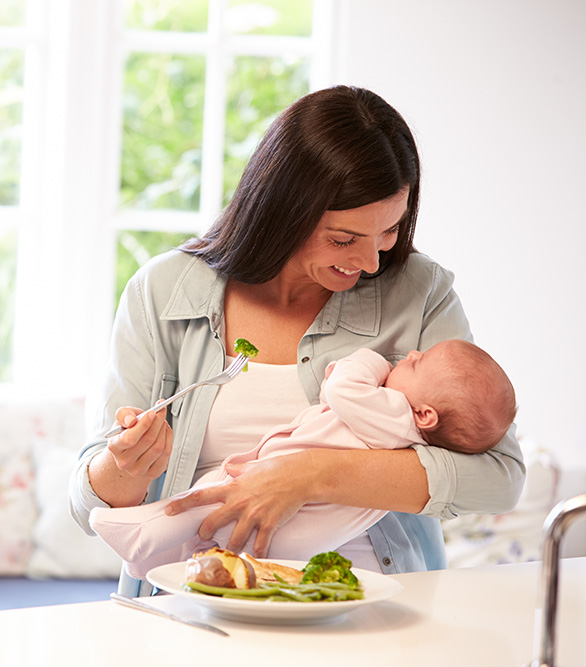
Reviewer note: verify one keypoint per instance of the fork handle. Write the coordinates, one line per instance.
(156, 408)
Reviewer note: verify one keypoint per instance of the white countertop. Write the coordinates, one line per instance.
(478, 617)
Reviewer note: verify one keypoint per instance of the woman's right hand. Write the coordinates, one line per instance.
(121, 473)
(143, 449)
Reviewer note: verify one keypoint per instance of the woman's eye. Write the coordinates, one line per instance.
(343, 244)
(392, 230)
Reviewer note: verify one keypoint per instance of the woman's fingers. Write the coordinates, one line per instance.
(143, 449)
(240, 536)
(155, 459)
(229, 511)
(208, 495)
(263, 541)
(259, 496)
(126, 416)
(245, 529)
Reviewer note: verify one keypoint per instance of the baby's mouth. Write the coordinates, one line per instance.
(346, 272)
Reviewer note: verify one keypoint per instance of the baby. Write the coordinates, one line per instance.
(454, 395)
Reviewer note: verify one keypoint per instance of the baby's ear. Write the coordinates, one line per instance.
(426, 417)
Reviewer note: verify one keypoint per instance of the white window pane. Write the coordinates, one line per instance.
(172, 15)
(270, 17)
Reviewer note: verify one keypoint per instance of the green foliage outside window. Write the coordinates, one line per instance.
(162, 131)
(8, 243)
(136, 248)
(258, 17)
(12, 12)
(172, 15)
(259, 88)
(164, 102)
(11, 93)
(291, 18)
(162, 161)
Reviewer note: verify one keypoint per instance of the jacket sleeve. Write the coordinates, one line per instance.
(488, 483)
(129, 381)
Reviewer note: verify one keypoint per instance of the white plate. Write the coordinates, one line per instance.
(376, 587)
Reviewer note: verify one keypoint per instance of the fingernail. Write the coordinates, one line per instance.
(169, 510)
(128, 420)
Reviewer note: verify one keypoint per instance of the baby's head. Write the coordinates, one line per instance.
(461, 398)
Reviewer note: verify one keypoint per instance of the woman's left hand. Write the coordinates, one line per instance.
(261, 496)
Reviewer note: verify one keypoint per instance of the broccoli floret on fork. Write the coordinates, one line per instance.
(242, 346)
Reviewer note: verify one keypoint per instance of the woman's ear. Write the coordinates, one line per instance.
(426, 417)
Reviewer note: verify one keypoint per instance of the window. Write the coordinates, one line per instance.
(12, 50)
(124, 128)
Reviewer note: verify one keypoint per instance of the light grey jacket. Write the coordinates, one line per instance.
(167, 335)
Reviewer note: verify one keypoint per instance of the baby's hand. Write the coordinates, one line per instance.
(329, 369)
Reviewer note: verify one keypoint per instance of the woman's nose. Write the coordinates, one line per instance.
(368, 259)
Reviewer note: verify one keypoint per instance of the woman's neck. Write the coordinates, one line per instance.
(283, 294)
(273, 316)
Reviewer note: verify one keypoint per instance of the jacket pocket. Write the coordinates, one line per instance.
(170, 386)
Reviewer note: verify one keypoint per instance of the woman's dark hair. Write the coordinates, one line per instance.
(332, 150)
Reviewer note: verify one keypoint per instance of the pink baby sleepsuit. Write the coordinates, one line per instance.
(355, 411)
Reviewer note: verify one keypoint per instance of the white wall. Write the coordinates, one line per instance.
(495, 91)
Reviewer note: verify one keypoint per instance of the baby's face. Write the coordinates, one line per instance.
(418, 375)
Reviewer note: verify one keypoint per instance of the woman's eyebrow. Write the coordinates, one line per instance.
(353, 233)
(345, 231)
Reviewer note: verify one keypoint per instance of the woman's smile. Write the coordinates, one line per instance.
(347, 243)
(346, 272)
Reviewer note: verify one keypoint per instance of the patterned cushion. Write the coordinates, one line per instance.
(39, 441)
(61, 548)
(21, 420)
(515, 537)
(18, 512)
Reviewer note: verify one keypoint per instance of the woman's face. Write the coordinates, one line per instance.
(345, 243)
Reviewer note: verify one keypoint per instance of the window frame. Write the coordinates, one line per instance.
(68, 217)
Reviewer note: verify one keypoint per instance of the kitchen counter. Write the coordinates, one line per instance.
(477, 617)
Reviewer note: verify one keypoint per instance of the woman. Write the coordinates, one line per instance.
(312, 259)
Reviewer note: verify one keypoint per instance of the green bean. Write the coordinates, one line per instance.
(294, 595)
(241, 592)
(322, 592)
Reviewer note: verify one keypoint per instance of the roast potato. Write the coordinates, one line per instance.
(222, 568)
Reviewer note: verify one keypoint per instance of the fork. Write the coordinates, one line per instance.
(229, 374)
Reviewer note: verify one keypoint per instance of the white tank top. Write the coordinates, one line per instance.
(246, 408)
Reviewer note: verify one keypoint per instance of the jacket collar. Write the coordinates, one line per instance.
(199, 292)
(357, 310)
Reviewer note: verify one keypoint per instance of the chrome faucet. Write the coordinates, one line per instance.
(557, 522)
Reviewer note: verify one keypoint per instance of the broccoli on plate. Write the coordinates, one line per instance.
(329, 567)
